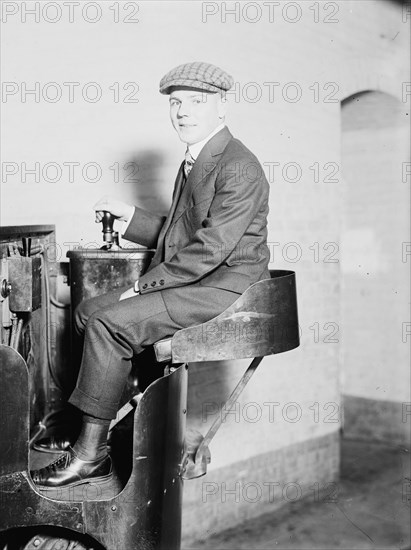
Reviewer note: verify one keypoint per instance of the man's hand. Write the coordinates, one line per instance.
(130, 293)
(121, 210)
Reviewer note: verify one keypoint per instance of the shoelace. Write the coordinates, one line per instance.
(63, 458)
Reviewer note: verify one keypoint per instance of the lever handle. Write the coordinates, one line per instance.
(107, 221)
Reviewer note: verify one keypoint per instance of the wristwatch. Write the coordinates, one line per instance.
(136, 288)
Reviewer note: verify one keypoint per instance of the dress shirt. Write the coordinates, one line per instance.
(195, 148)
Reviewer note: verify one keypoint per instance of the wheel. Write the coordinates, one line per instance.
(47, 538)
(44, 542)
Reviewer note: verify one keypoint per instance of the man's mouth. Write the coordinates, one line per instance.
(187, 125)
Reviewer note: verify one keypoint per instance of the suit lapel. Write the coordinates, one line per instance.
(160, 241)
(203, 166)
(176, 196)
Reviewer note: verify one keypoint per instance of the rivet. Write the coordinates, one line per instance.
(29, 510)
(184, 411)
(36, 542)
(149, 503)
(79, 525)
(165, 491)
(174, 480)
(114, 508)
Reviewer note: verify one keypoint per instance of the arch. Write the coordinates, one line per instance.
(375, 291)
(368, 74)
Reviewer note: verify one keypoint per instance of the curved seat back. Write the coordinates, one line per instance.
(262, 321)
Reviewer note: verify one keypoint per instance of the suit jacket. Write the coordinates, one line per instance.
(215, 234)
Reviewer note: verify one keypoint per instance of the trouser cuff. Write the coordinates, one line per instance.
(93, 407)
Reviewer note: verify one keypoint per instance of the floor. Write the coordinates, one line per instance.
(372, 510)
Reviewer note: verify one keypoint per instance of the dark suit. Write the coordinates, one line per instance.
(210, 248)
(215, 234)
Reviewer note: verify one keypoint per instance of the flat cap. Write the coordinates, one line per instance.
(202, 76)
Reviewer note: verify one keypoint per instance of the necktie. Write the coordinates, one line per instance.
(188, 163)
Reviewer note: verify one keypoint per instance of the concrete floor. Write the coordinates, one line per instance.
(372, 510)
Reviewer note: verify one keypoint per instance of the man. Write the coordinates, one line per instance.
(209, 249)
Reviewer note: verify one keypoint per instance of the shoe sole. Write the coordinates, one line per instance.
(103, 479)
(46, 450)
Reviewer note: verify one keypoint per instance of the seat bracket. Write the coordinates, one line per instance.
(195, 464)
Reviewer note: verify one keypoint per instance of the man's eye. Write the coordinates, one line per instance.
(197, 100)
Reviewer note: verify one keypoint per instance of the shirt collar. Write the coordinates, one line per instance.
(195, 148)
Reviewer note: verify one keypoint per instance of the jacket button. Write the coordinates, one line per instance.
(161, 281)
(145, 285)
(153, 283)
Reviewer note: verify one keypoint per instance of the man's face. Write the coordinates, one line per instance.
(195, 114)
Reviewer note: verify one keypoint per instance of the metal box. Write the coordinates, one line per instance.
(25, 281)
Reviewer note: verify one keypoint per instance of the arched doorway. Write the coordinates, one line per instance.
(375, 266)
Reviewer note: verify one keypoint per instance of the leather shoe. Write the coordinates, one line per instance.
(69, 471)
(52, 444)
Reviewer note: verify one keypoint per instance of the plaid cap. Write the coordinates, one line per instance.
(203, 76)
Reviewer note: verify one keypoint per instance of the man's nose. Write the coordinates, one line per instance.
(183, 110)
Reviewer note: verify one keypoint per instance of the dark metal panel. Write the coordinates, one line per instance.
(14, 406)
(147, 513)
(95, 272)
(263, 321)
(21, 506)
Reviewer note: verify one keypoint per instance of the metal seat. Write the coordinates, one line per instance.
(262, 321)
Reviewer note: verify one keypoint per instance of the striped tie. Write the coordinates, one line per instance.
(188, 163)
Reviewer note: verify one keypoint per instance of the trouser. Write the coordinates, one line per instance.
(113, 332)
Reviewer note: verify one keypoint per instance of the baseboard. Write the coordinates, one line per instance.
(376, 420)
(248, 488)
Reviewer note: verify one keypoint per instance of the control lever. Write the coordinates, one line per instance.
(110, 237)
(108, 221)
